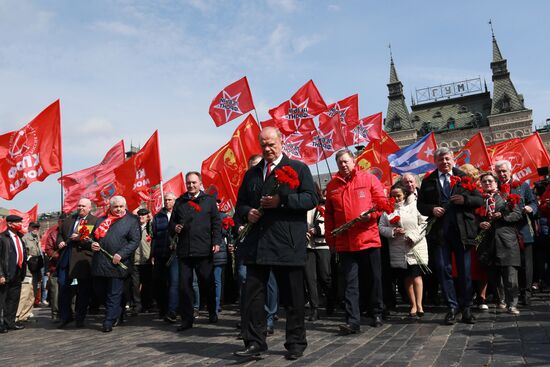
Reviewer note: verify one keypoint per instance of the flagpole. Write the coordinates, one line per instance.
(62, 198)
(318, 174)
(257, 118)
(323, 149)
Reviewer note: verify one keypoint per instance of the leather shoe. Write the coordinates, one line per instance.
(292, 356)
(467, 316)
(269, 330)
(107, 328)
(450, 318)
(64, 323)
(79, 324)
(252, 350)
(313, 315)
(213, 319)
(185, 326)
(348, 329)
(3, 330)
(376, 321)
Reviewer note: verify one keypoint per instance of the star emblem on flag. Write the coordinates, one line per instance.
(229, 104)
(292, 147)
(361, 133)
(324, 144)
(297, 112)
(337, 110)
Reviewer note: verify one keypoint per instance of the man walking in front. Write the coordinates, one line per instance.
(276, 242)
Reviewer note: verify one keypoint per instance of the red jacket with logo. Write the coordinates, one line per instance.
(346, 200)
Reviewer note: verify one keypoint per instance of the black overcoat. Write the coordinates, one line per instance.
(123, 238)
(80, 262)
(279, 238)
(429, 197)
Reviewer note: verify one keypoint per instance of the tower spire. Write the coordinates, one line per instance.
(497, 55)
(397, 117)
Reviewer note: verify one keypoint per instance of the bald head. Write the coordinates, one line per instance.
(84, 207)
(271, 142)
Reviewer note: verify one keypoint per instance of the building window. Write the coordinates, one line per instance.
(451, 123)
(395, 124)
(437, 114)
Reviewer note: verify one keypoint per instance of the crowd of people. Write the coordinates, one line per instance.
(471, 238)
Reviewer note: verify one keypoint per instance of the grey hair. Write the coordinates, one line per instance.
(439, 152)
(277, 131)
(117, 199)
(415, 177)
(504, 162)
(169, 193)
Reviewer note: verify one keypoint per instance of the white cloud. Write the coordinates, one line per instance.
(284, 5)
(116, 28)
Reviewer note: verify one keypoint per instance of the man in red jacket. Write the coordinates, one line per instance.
(349, 195)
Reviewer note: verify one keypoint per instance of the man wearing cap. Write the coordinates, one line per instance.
(12, 272)
(142, 270)
(74, 265)
(35, 262)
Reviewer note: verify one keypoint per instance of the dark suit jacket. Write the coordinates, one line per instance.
(8, 259)
(80, 262)
(431, 195)
(279, 238)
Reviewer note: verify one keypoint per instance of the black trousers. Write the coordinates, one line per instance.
(290, 280)
(142, 287)
(9, 300)
(204, 268)
(525, 274)
(369, 262)
(318, 273)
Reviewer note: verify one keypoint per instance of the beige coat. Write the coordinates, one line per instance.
(401, 252)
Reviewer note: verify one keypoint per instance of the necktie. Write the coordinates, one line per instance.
(491, 204)
(19, 252)
(268, 171)
(446, 184)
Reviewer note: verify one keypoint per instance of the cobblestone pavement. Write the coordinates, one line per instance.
(497, 339)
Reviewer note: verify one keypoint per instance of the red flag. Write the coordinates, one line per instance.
(525, 155)
(295, 146)
(175, 185)
(31, 153)
(325, 141)
(87, 183)
(137, 175)
(347, 109)
(375, 158)
(226, 167)
(297, 113)
(28, 217)
(474, 152)
(365, 130)
(232, 102)
(268, 123)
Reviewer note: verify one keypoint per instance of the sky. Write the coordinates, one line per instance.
(124, 68)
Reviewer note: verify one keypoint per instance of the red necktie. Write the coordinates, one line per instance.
(19, 252)
(269, 165)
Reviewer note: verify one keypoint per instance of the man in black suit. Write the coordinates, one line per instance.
(196, 223)
(13, 267)
(454, 231)
(276, 242)
(74, 265)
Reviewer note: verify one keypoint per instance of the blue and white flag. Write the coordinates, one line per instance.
(417, 158)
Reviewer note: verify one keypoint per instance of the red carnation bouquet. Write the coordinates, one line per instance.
(381, 204)
(395, 220)
(284, 176)
(84, 230)
(227, 223)
(511, 200)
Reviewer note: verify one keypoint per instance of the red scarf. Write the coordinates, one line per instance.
(102, 229)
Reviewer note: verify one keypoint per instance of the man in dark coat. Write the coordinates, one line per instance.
(276, 241)
(118, 235)
(165, 275)
(74, 265)
(197, 224)
(453, 232)
(525, 226)
(13, 267)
